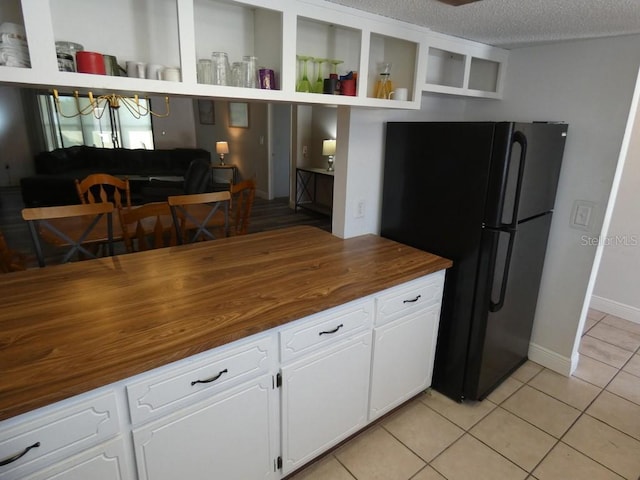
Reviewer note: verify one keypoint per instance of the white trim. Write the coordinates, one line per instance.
(618, 309)
(552, 360)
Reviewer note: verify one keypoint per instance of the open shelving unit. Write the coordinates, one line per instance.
(464, 68)
(177, 33)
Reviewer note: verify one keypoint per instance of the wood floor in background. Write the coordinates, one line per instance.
(265, 215)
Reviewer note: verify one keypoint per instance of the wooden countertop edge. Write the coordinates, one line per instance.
(50, 385)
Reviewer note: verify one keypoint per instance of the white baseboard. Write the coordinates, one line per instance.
(618, 309)
(552, 360)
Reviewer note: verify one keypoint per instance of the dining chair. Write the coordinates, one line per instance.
(102, 187)
(147, 227)
(72, 226)
(203, 213)
(10, 260)
(242, 196)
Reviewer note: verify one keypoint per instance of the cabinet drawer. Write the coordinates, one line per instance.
(56, 434)
(175, 386)
(409, 297)
(106, 461)
(326, 327)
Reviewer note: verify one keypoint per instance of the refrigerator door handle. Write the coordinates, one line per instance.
(521, 139)
(496, 306)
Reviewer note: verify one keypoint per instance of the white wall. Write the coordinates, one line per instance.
(178, 130)
(588, 84)
(616, 290)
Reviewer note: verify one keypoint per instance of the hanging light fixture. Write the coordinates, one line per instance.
(98, 104)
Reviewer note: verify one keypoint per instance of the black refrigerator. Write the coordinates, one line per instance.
(482, 195)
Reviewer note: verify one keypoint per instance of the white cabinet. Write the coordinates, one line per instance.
(40, 440)
(105, 462)
(324, 399)
(462, 67)
(228, 413)
(404, 343)
(216, 415)
(231, 436)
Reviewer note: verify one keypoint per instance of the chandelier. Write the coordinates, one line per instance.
(97, 105)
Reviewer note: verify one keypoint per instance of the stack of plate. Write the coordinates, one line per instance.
(14, 51)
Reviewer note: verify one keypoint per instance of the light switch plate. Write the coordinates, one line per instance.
(582, 214)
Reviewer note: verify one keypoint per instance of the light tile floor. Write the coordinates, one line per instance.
(536, 425)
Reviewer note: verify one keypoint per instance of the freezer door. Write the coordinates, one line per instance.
(525, 167)
(511, 268)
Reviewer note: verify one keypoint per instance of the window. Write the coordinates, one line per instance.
(115, 128)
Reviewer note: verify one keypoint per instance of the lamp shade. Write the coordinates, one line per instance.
(328, 147)
(222, 148)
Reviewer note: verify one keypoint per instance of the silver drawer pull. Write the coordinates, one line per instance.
(412, 301)
(18, 456)
(209, 380)
(329, 332)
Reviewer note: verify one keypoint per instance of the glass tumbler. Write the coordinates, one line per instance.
(251, 77)
(237, 74)
(221, 72)
(205, 71)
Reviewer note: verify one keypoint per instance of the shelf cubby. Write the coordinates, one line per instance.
(239, 29)
(402, 54)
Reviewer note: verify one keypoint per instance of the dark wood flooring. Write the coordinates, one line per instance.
(265, 215)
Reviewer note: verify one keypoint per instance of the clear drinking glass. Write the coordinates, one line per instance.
(205, 71)
(237, 73)
(251, 74)
(221, 72)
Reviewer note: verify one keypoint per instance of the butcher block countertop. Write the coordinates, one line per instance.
(68, 329)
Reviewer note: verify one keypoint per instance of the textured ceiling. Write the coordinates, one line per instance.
(514, 23)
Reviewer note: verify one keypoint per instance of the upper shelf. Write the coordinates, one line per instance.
(180, 33)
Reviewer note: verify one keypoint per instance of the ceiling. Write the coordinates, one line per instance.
(514, 23)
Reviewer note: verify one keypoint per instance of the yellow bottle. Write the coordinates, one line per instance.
(384, 86)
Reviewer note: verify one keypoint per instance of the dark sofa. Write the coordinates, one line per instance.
(56, 171)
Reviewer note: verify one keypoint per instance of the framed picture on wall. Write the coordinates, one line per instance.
(239, 114)
(207, 112)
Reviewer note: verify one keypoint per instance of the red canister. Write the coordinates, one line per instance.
(90, 62)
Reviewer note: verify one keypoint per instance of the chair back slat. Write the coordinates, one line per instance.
(243, 195)
(147, 227)
(196, 217)
(41, 222)
(102, 187)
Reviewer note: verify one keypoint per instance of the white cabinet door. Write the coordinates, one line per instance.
(230, 436)
(324, 399)
(403, 353)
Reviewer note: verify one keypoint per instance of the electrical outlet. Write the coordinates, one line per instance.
(304, 150)
(360, 209)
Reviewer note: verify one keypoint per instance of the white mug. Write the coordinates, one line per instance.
(171, 74)
(154, 71)
(399, 94)
(136, 69)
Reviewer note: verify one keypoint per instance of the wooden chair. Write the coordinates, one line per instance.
(102, 187)
(10, 260)
(70, 226)
(203, 212)
(147, 227)
(242, 195)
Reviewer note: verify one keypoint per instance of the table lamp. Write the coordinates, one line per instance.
(329, 150)
(221, 149)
